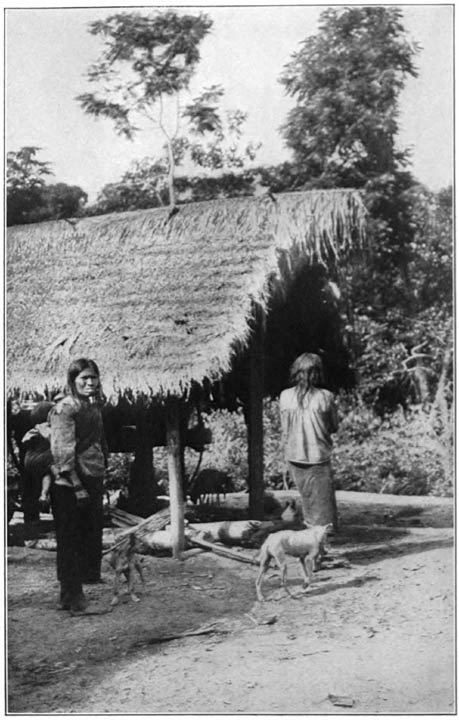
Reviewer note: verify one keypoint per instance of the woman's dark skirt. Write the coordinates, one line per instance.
(315, 485)
(78, 536)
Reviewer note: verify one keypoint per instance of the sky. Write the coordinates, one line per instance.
(48, 52)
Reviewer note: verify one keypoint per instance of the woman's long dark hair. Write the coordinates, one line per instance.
(306, 373)
(75, 368)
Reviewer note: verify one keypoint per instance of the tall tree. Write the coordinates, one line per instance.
(146, 61)
(213, 144)
(145, 70)
(25, 178)
(346, 81)
(30, 199)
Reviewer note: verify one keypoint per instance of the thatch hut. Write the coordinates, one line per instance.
(165, 301)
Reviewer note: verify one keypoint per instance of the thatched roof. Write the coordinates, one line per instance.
(158, 303)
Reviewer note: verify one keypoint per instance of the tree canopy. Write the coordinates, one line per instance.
(25, 177)
(144, 70)
(144, 59)
(346, 81)
(29, 198)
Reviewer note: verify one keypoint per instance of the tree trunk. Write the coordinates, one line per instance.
(175, 469)
(171, 173)
(255, 417)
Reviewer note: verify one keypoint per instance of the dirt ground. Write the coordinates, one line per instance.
(374, 634)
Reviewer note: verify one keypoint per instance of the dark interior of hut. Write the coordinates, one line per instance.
(303, 315)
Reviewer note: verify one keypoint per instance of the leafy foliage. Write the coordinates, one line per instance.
(396, 294)
(62, 201)
(218, 147)
(24, 171)
(25, 177)
(346, 80)
(144, 185)
(30, 199)
(396, 455)
(146, 61)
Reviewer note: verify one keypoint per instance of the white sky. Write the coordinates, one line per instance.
(48, 52)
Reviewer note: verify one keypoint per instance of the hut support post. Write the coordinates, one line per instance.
(255, 417)
(175, 471)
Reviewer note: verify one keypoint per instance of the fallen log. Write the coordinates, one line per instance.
(152, 535)
(157, 541)
(232, 532)
(220, 550)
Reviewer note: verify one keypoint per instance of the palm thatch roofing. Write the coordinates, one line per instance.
(159, 302)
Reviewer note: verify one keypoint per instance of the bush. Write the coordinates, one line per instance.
(228, 451)
(118, 470)
(397, 454)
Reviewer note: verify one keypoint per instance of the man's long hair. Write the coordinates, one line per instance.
(306, 373)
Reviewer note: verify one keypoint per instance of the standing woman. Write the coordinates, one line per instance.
(308, 419)
(80, 456)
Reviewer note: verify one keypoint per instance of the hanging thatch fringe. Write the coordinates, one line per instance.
(159, 303)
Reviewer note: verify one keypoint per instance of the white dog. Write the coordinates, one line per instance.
(307, 545)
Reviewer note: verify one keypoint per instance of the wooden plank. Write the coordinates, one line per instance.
(255, 416)
(174, 466)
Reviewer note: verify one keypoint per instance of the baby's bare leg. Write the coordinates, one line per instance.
(45, 488)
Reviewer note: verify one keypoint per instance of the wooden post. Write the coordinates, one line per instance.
(174, 466)
(255, 417)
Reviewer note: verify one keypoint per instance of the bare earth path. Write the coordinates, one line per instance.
(380, 633)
